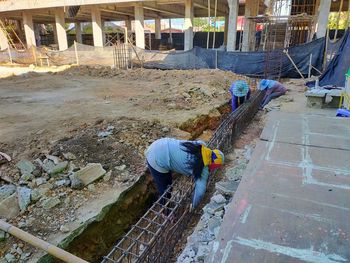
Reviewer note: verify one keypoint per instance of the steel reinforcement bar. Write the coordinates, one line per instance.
(154, 236)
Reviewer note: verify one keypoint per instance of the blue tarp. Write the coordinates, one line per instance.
(245, 63)
(253, 63)
(339, 65)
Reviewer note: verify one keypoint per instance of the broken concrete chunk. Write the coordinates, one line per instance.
(39, 181)
(64, 229)
(36, 195)
(219, 199)
(107, 176)
(213, 207)
(53, 158)
(203, 252)
(58, 168)
(213, 223)
(24, 194)
(69, 156)
(6, 190)
(9, 207)
(90, 173)
(103, 134)
(75, 182)
(63, 182)
(25, 166)
(10, 258)
(51, 202)
(26, 177)
(227, 188)
(120, 167)
(47, 165)
(2, 236)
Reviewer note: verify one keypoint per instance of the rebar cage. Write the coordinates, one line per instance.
(154, 236)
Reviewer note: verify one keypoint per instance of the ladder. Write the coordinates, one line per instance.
(6, 28)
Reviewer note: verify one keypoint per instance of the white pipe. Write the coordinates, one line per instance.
(39, 243)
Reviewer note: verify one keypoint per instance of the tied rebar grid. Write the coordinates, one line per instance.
(154, 236)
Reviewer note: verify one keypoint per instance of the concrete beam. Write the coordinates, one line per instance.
(139, 30)
(322, 20)
(158, 34)
(188, 26)
(78, 35)
(251, 9)
(60, 29)
(173, 11)
(29, 28)
(97, 26)
(232, 25)
(221, 8)
(13, 5)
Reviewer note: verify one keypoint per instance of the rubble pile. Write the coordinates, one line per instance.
(208, 227)
(42, 194)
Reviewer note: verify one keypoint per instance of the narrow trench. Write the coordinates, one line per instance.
(244, 143)
(100, 236)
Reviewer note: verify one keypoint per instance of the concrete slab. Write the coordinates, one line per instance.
(293, 202)
(311, 130)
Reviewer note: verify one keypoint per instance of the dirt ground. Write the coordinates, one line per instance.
(52, 114)
(55, 113)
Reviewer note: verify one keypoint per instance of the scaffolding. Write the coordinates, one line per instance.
(287, 23)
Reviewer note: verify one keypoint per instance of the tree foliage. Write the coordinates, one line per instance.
(343, 20)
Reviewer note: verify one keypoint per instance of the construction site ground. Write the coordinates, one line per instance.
(95, 115)
(100, 115)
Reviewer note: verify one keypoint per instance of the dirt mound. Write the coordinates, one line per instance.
(124, 144)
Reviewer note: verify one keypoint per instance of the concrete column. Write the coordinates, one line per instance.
(97, 26)
(232, 25)
(19, 26)
(60, 29)
(322, 20)
(4, 44)
(188, 25)
(158, 34)
(139, 30)
(54, 30)
(37, 28)
(29, 28)
(103, 33)
(128, 25)
(170, 40)
(226, 30)
(78, 35)
(251, 9)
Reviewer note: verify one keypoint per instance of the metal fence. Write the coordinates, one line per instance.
(154, 236)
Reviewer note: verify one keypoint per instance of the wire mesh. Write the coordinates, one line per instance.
(154, 236)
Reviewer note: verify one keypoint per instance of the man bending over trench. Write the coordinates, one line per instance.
(273, 88)
(189, 158)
